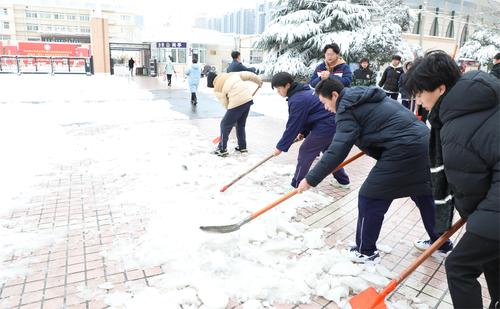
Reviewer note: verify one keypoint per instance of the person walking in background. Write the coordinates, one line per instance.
(231, 91)
(307, 118)
(405, 95)
(131, 63)
(236, 65)
(495, 71)
(390, 77)
(465, 165)
(363, 76)
(333, 67)
(387, 132)
(169, 70)
(194, 75)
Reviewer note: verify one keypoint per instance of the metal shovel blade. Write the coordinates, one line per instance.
(225, 228)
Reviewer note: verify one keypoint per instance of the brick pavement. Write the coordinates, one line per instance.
(74, 200)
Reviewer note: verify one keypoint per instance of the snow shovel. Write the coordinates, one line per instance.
(234, 227)
(218, 138)
(370, 299)
(248, 172)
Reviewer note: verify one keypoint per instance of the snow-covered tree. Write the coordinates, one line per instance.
(362, 28)
(482, 46)
(301, 28)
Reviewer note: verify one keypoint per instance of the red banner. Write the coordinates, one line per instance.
(52, 49)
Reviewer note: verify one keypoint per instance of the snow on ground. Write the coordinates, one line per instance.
(168, 179)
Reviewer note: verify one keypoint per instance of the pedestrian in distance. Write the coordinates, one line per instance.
(406, 99)
(169, 70)
(231, 90)
(387, 132)
(236, 65)
(465, 166)
(363, 76)
(131, 63)
(307, 118)
(332, 67)
(193, 74)
(390, 78)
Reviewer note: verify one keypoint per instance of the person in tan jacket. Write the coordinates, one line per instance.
(231, 90)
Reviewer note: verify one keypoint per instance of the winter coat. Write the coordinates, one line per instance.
(231, 90)
(341, 71)
(363, 77)
(237, 66)
(194, 76)
(471, 150)
(385, 131)
(306, 114)
(131, 64)
(495, 71)
(405, 94)
(169, 68)
(390, 79)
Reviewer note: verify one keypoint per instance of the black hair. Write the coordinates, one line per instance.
(396, 57)
(195, 60)
(333, 46)
(436, 68)
(364, 60)
(281, 79)
(235, 54)
(327, 86)
(497, 56)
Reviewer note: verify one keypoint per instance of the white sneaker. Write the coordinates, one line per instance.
(336, 184)
(422, 245)
(355, 256)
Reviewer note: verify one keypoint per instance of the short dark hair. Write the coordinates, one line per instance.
(195, 60)
(497, 56)
(364, 60)
(434, 69)
(333, 46)
(396, 57)
(281, 79)
(327, 86)
(235, 54)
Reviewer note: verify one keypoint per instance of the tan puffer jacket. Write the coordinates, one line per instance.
(230, 88)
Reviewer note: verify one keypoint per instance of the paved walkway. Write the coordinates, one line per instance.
(74, 200)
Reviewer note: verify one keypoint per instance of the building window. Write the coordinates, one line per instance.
(125, 17)
(85, 29)
(256, 56)
(84, 17)
(58, 16)
(31, 14)
(4, 12)
(6, 25)
(4, 37)
(71, 17)
(32, 27)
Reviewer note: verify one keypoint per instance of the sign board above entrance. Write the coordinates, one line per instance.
(171, 44)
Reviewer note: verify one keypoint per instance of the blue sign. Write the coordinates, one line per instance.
(171, 44)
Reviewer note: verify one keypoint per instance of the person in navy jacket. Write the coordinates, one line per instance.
(333, 67)
(236, 65)
(307, 118)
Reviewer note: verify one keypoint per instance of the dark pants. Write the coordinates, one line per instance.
(169, 79)
(194, 99)
(311, 147)
(472, 256)
(409, 104)
(235, 116)
(371, 215)
(392, 95)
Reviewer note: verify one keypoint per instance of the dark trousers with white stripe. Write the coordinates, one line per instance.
(235, 117)
(371, 214)
(311, 147)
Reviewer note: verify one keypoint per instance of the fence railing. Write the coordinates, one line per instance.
(46, 65)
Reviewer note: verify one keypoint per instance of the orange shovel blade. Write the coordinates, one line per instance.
(216, 140)
(368, 299)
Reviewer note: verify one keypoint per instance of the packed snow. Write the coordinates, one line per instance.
(170, 181)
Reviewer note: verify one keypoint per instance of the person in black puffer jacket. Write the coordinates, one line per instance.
(465, 167)
(390, 78)
(394, 137)
(363, 76)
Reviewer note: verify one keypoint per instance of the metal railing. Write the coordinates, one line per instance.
(46, 65)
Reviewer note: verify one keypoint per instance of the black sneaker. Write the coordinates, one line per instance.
(242, 150)
(422, 245)
(220, 152)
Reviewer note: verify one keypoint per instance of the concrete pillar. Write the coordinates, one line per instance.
(99, 40)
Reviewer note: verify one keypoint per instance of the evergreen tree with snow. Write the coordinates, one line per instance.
(483, 45)
(362, 28)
